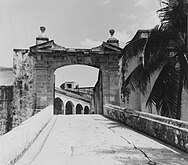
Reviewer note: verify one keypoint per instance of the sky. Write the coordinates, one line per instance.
(72, 24)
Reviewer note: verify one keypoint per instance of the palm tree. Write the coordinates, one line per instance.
(165, 52)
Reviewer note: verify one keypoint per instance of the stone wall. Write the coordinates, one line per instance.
(131, 58)
(50, 56)
(170, 131)
(85, 91)
(23, 88)
(184, 106)
(113, 80)
(16, 142)
(98, 95)
(132, 99)
(6, 97)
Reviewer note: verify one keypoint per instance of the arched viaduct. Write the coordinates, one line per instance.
(66, 102)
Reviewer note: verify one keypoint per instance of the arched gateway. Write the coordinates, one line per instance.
(34, 73)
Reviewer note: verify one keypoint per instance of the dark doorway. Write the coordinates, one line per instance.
(69, 108)
(79, 109)
(86, 110)
(58, 106)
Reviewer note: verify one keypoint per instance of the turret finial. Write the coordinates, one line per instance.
(111, 31)
(42, 29)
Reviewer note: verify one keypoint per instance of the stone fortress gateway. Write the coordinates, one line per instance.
(34, 73)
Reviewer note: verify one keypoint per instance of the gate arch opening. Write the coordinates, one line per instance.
(82, 80)
(69, 108)
(86, 110)
(79, 109)
(84, 75)
(58, 106)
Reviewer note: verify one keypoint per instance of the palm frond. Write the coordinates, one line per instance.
(173, 17)
(165, 50)
(137, 80)
(157, 62)
(165, 89)
(158, 43)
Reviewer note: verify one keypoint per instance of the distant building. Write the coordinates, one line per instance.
(69, 85)
(6, 98)
(74, 87)
(6, 76)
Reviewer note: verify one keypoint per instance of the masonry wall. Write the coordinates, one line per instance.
(47, 63)
(6, 98)
(131, 99)
(85, 91)
(41, 87)
(23, 88)
(170, 131)
(113, 78)
(16, 142)
(184, 115)
(98, 95)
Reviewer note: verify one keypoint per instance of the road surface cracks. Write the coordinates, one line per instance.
(150, 162)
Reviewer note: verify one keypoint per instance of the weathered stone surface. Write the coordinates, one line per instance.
(184, 105)
(24, 86)
(17, 141)
(38, 65)
(6, 98)
(98, 95)
(170, 131)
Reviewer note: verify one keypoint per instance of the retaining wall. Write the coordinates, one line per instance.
(171, 131)
(14, 143)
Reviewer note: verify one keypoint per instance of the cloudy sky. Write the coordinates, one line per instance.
(72, 23)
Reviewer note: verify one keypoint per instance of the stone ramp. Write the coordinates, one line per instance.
(96, 140)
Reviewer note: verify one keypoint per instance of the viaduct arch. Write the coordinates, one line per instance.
(58, 106)
(34, 73)
(66, 102)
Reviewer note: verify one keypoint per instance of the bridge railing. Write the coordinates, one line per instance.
(14, 143)
(71, 94)
(171, 131)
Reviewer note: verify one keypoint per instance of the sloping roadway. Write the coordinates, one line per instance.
(96, 140)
